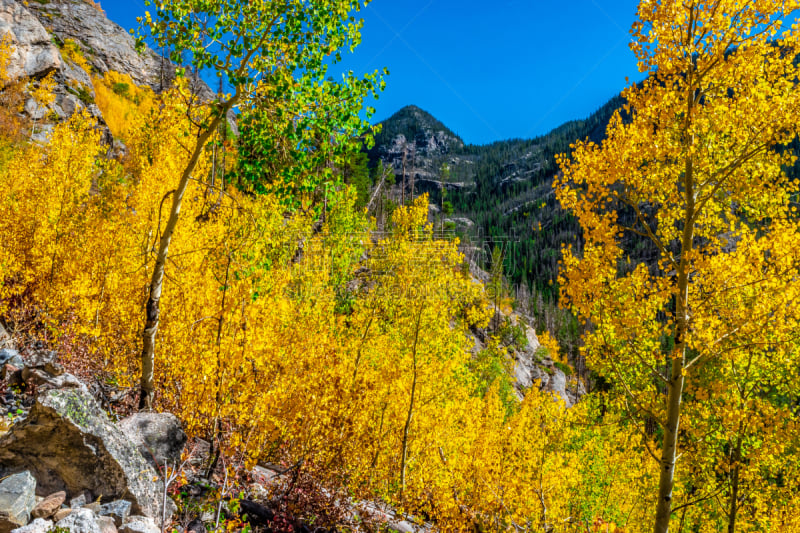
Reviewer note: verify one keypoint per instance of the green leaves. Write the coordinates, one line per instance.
(297, 125)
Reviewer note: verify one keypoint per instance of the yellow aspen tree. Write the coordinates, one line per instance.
(267, 53)
(692, 167)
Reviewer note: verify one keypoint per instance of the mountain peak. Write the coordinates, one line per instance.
(411, 120)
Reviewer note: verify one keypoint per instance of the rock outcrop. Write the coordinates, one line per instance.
(69, 444)
(413, 139)
(106, 45)
(34, 53)
(37, 30)
(533, 369)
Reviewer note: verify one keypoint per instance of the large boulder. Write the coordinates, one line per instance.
(69, 444)
(158, 436)
(34, 53)
(17, 500)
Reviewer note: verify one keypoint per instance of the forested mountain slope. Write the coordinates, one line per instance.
(504, 188)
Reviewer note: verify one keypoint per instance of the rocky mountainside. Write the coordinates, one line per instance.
(413, 142)
(40, 31)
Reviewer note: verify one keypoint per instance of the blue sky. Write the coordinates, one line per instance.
(490, 70)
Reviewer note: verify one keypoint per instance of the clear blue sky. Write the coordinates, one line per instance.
(490, 70)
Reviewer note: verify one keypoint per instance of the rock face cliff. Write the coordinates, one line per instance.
(106, 45)
(38, 31)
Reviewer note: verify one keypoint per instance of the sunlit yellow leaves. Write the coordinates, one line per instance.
(121, 101)
(692, 170)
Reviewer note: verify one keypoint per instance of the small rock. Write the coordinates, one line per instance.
(139, 524)
(401, 527)
(17, 500)
(46, 360)
(119, 510)
(61, 514)
(9, 356)
(41, 378)
(39, 525)
(48, 507)
(196, 526)
(80, 500)
(106, 524)
(80, 521)
(93, 507)
(158, 436)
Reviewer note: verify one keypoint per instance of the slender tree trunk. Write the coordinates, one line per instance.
(407, 426)
(669, 448)
(677, 378)
(734, 507)
(152, 311)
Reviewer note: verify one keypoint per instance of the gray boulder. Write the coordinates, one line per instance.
(17, 500)
(69, 444)
(158, 436)
(34, 54)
